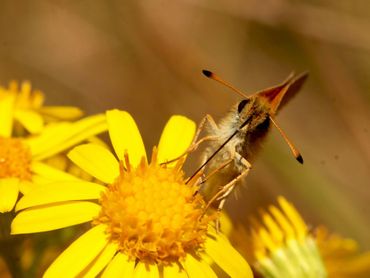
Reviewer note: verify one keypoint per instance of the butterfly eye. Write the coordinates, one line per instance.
(242, 104)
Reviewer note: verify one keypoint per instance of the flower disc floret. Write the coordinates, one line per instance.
(153, 215)
(15, 159)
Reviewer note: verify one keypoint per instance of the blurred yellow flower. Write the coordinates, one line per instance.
(284, 247)
(341, 256)
(28, 109)
(147, 221)
(20, 157)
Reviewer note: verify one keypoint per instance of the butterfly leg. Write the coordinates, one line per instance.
(228, 188)
(225, 191)
(223, 165)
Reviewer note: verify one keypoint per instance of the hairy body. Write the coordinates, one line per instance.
(235, 141)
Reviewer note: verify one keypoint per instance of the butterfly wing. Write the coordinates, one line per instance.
(279, 95)
(294, 87)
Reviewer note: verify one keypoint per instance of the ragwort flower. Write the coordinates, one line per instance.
(29, 110)
(147, 221)
(20, 157)
(284, 247)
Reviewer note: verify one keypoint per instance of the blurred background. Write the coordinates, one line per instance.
(146, 57)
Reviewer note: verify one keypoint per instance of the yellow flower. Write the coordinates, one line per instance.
(341, 256)
(147, 221)
(284, 247)
(28, 109)
(62, 162)
(20, 158)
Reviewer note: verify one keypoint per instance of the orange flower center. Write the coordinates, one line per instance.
(15, 159)
(153, 215)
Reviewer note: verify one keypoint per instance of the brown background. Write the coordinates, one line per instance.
(146, 57)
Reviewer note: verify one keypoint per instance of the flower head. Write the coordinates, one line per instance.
(28, 109)
(284, 247)
(147, 220)
(15, 159)
(135, 209)
(21, 157)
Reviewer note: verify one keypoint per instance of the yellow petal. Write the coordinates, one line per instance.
(295, 218)
(52, 135)
(9, 190)
(226, 224)
(176, 138)
(6, 114)
(26, 186)
(59, 161)
(97, 141)
(97, 161)
(173, 271)
(79, 254)
(283, 222)
(31, 120)
(62, 136)
(51, 173)
(267, 240)
(73, 139)
(146, 271)
(274, 229)
(24, 93)
(47, 218)
(38, 99)
(206, 268)
(62, 112)
(125, 136)
(119, 266)
(60, 192)
(195, 268)
(102, 260)
(223, 254)
(39, 180)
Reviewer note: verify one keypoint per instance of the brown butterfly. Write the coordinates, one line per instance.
(234, 142)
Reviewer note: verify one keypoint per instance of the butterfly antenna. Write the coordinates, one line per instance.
(213, 76)
(219, 149)
(294, 150)
(212, 156)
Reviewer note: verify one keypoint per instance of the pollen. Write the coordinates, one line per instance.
(15, 159)
(153, 215)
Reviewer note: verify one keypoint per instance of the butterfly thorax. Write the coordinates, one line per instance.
(248, 138)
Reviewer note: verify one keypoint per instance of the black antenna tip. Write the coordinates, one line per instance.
(300, 158)
(207, 73)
